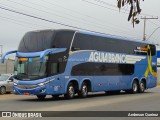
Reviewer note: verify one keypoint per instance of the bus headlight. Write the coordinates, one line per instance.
(15, 84)
(41, 84)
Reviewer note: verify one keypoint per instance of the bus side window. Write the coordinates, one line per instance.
(54, 68)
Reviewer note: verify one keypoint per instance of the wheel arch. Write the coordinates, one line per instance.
(75, 83)
(135, 79)
(145, 81)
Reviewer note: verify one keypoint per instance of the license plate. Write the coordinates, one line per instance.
(26, 93)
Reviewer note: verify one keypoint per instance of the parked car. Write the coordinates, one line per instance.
(6, 83)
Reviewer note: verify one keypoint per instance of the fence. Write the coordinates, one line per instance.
(7, 67)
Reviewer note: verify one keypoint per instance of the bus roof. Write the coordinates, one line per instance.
(99, 34)
(59, 38)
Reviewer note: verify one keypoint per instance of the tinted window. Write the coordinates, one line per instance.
(41, 40)
(36, 41)
(92, 42)
(63, 39)
(56, 63)
(91, 69)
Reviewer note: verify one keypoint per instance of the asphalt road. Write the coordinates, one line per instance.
(148, 101)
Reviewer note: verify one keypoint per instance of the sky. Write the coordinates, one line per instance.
(95, 15)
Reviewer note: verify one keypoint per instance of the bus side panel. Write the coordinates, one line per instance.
(109, 83)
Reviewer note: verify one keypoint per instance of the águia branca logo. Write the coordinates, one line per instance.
(107, 57)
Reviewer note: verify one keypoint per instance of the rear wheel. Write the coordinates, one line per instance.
(70, 91)
(134, 87)
(142, 87)
(84, 90)
(41, 97)
(2, 90)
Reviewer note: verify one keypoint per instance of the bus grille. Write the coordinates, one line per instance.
(26, 86)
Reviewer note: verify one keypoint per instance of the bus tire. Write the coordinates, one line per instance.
(70, 91)
(134, 87)
(41, 97)
(142, 87)
(84, 90)
(2, 90)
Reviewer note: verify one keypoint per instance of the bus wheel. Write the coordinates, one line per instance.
(84, 91)
(142, 87)
(134, 87)
(41, 97)
(2, 90)
(70, 91)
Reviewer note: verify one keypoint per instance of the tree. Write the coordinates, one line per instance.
(134, 9)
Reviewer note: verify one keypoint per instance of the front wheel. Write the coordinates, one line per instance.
(70, 91)
(84, 91)
(41, 97)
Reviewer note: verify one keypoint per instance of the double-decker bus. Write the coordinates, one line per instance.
(69, 62)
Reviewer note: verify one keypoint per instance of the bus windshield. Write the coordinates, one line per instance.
(30, 68)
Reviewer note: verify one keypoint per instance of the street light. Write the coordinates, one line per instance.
(153, 32)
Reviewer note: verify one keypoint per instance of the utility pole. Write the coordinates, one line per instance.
(144, 30)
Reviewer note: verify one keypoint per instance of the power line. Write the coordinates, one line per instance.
(111, 5)
(20, 21)
(86, 15)
(144, 31)
(106, 3)
(47, 20)
(12, 21)
(7, 6)
(86, 21)
(122, 31)
(79, 20)
(50, 21)
(158, 20)
(153, 23)
(98, 5)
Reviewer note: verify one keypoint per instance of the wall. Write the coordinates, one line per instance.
(7, 67)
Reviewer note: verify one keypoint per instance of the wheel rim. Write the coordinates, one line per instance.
(84, 90)
(135, 87)
(142, 86)
(3, 90)
(71, 91)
